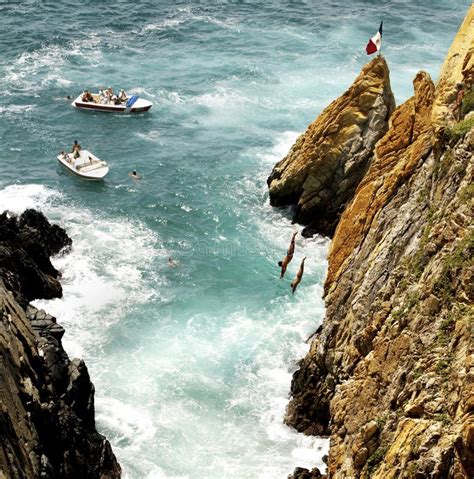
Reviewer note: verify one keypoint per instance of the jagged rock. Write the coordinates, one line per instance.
(47, 426)
(325, 165)
(390, 377)
(303, 473)
(43, 323)
(26, 244)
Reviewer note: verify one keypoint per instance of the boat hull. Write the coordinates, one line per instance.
(95, 170)
(139, 106)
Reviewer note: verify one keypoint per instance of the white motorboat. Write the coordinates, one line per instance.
(133, 104)
(86, 165)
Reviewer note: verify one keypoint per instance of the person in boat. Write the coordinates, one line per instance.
(289, 256)
(87, 97)
(65, 156)
(102, 97)
(135, 175)
(122, 96)
(76, 149)
(299, 275)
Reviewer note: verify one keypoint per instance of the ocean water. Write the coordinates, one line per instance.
(192, 364)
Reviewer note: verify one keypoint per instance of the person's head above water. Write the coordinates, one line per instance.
(75, 142)
(134, 172)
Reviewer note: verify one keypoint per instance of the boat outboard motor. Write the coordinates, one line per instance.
(131, 101)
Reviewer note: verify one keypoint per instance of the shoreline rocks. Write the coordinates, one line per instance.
(47, 425)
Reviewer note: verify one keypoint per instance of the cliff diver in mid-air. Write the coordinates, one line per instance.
(299, 275)
(289, 256)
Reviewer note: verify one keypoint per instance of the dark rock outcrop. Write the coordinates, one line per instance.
(323, 168)
(26, 244)
(47, 427)
(303, 473)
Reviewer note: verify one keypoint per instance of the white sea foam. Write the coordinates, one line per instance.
(17, 198)
(45, 66)
(102, 275)
(166, 24)
(223, 96)
(280, 149)
(153, 136)
(186, 15)
(141, 91)
(16, 109)
(132, 424)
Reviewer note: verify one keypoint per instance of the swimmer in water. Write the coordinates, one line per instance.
(135, 175)
(289, 256)
(299, 275)
(172, 263)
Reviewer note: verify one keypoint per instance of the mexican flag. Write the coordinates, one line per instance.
(375, 43)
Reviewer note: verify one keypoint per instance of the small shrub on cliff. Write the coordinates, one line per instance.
(376, 458)
(442, 367)
(468, 103)
(459, 130)
(467, 193)
(460, 257)
(420, 259)
(443, 418)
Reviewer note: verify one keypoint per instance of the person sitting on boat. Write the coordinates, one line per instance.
(122, 96)
(76, 149)
(86, 96)
(65, 156)
(102, 96)
(110, 95)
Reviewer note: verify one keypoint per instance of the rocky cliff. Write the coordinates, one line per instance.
(47, 427)
(390, 375)
(325, 165)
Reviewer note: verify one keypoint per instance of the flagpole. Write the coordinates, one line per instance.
(380, 30)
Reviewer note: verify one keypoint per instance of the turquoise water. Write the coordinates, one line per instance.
(191, 364)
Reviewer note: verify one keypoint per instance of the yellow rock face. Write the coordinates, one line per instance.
(458, 67)
(408, 141)
(324, 166)
(411, 135)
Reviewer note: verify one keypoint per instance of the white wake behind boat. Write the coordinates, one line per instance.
(87, 165)
(134, 104)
